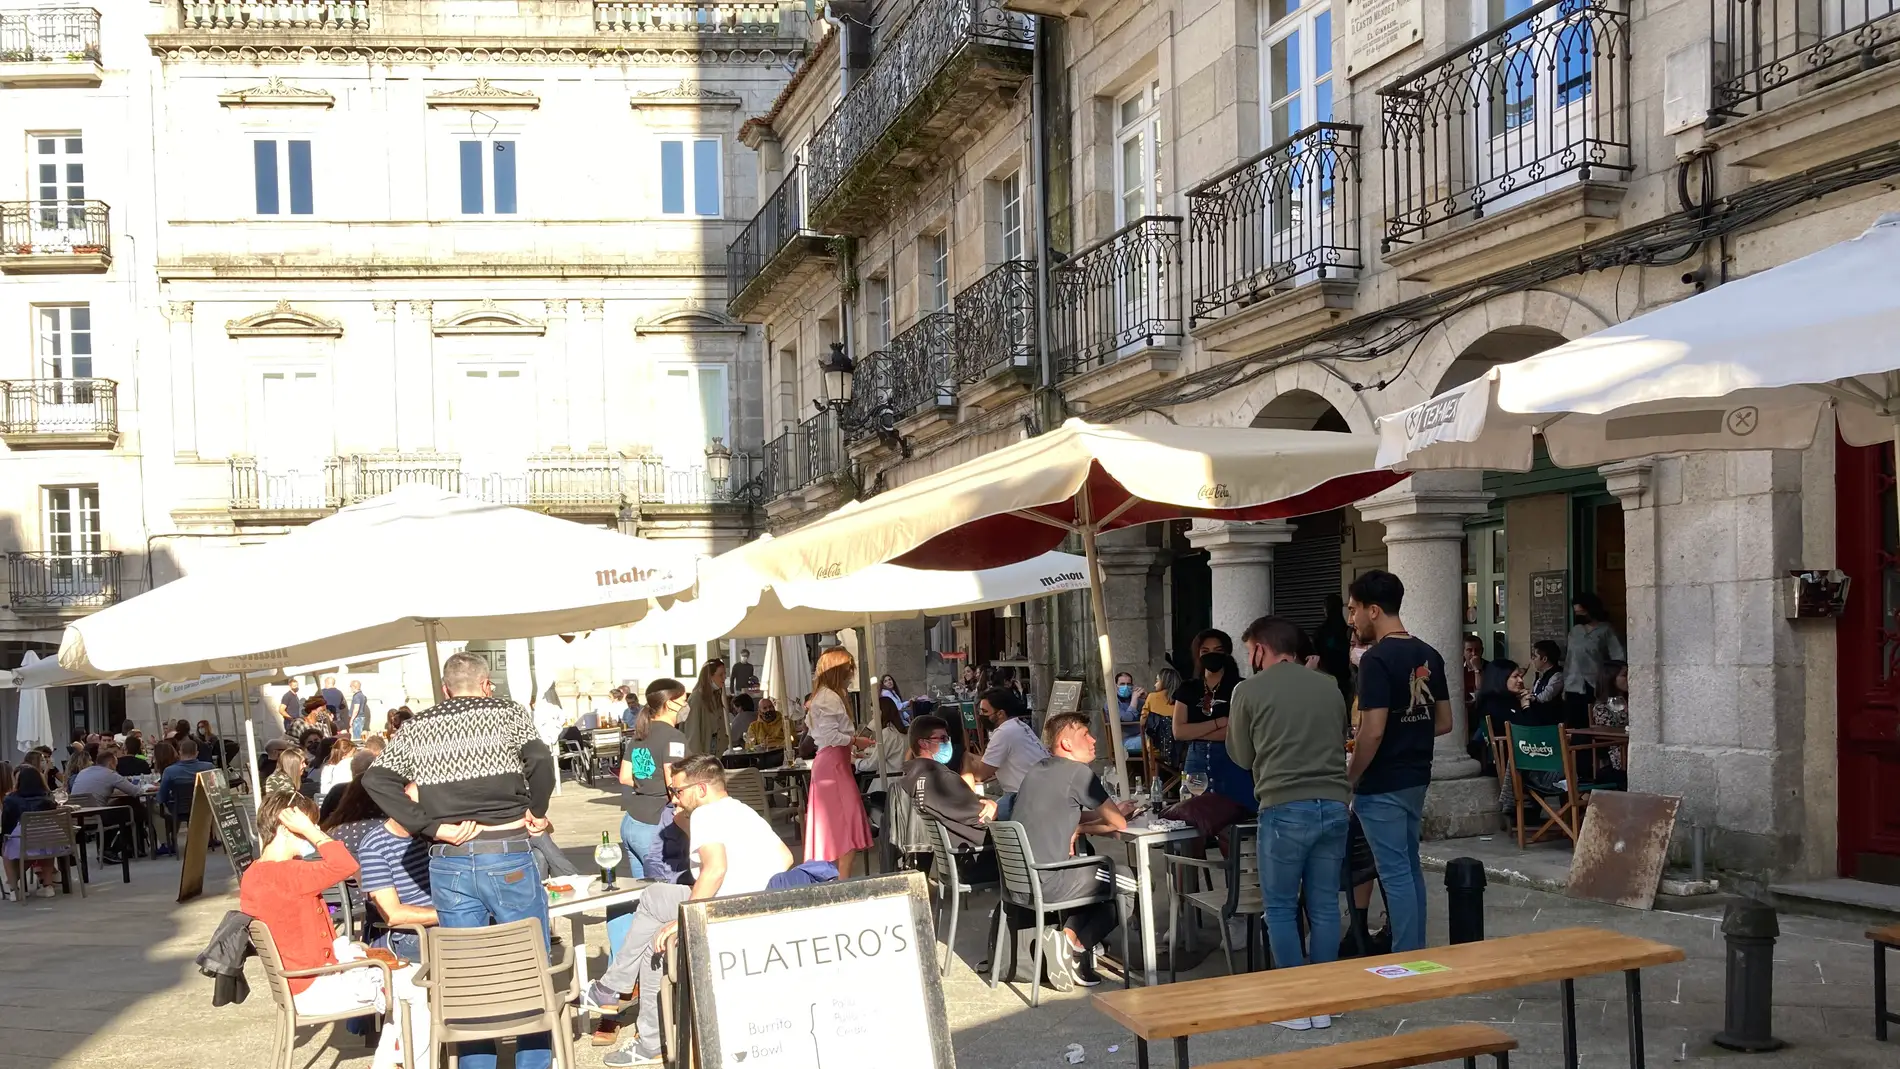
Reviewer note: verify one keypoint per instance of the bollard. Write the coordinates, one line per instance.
(1751, 929)
(1464, 891)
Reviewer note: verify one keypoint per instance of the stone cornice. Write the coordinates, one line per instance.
(649, 49)
(435, 269)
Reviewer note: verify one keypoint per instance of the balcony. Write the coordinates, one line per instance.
(775, 254)
(663, 483)
(756, 19)
(1512, 145)
(994, 356)
(914, 378)
(1117, 311)
(1274, 242)
(59, 413)
(275, 16)
(938, 76)
(1798, 83)
(264, 491)
(49, 47)
(805, 455)
(54, 237)
(61, 584)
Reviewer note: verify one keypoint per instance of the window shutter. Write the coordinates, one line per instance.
(265, 155)
(471, 178)
(504, 178)
(298, 153)
(673, 177)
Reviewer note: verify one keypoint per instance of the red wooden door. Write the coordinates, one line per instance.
(1869, 650)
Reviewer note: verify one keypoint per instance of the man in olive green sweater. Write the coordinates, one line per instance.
(1288, 724)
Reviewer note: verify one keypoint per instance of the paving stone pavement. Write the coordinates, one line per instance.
(108, 981)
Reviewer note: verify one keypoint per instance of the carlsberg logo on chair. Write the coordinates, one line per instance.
(1535, 749)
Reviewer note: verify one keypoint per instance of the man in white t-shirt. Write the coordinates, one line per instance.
(734, 852)
(1013, 748)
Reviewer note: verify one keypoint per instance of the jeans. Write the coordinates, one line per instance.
(1005, 805)
(637, 839)
(483, 889)
(633, 964)
(1391, 823)
(360, 727)
(1302, 843)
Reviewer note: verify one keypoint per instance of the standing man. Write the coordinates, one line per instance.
(359, 710)
(1593, 644)
(483, 778)
(1404, 703)
(1287, 723)
(745, 678)
(333, 700)
(1013, 748)
(293, 710)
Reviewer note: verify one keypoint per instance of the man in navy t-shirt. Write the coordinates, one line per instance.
(1404, 704)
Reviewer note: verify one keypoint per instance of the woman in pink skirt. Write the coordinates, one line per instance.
(835, 828)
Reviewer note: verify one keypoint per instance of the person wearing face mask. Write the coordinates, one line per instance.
(1128, 699)
(942, 795)
(654, 745)
(767, 732)
(1013, 748)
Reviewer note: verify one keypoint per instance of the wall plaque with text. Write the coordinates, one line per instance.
(1379, 29)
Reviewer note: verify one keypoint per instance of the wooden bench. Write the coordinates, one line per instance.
(1882, 939)
(1467, 1041)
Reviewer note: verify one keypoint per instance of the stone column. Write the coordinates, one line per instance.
(184, 388)
(1424, 520)
(1240, 556)
(415, 364)
(1131, 596)
(587, 370)
(1629, 481)
(380, 432)
(900, 655)
(552, 429)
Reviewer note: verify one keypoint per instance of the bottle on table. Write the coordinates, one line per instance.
(607, 856)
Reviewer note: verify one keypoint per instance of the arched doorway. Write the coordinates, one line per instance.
(1326, 547)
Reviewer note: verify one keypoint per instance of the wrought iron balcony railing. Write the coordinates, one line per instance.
(55, 228)
(1289, 214)
(920, 366)
(59, 408)
(804, 454)
(301, 15)
(780, 220)
(613, 16)
(1118, 295)
(907, 66)
(49, 35)
(62, 582)
(286, 486)
(1767, 45)
(996, 323)
(1496, 120)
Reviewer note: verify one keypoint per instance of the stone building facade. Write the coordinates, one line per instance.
(370, 242)
(1309, 215)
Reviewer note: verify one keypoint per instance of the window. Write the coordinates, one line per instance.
(695, 169)
(1010, 191)
(1138, 154)
(933, 255)
(488, 177)
(879, 289)
(1297, 66)
(72, 521)
(65, 341)
(59, 180)
(283, 177)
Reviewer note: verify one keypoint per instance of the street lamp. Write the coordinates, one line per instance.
(718, 465)
(835, 374)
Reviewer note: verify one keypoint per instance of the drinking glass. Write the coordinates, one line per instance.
(1194, 784)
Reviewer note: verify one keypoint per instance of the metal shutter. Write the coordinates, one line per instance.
(1306, 569)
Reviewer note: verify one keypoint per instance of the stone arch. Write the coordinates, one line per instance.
(688, 317)
(283, 321)
(489, 318)
(1308, 380)
(1300, 410)
(1508, 327)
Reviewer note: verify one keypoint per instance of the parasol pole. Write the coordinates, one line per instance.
(1110, 733)
(875, 724)
(250, 742)
(435, 661)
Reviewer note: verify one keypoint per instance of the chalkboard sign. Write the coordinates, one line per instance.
(232, 816)
(831, 976)
(1550, 606)
(1065, 696)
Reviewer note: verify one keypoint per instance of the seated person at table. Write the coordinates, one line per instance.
(29, 795)
(734, 852)
(1060, 801)
(132, 762)
(102, 780)
(1013, 748)
(285, 892)
(176, 784)
(395, 874)
(289, 774)
(941, 795)
(767, 732)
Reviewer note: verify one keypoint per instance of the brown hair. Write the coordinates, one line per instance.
(659, 692)
(835, 668)
(164, 755)
(291, 755)
(340, 748)
(1053, 728)
(273, 807)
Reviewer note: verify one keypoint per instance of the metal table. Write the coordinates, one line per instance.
(627, 891)
(1138, 844)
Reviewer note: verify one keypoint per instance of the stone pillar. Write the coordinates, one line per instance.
(415, 363)
(1629, 481)
(1424, 520)
(552, 431)
(379, 429)
(184, 387)
(1131, 597)
(900, 654)
(587, 369)
(1240, 556)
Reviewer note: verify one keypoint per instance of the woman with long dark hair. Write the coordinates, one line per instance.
(707, 716)
(836, 828)
(654, 746)
(29, 795)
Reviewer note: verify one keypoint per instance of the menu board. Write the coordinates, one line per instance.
(1065, 696)
(830, 976)
(1550, 606)
(235, 822)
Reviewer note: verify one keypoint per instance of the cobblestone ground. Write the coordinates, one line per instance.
(108, 981)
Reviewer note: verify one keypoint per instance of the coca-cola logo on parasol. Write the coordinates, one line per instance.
(616, 577)
(831, 571)
(1213, 492)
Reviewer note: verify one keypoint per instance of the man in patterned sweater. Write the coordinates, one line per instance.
(483, 778)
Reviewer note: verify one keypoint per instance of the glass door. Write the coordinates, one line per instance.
(292, 433)
(1487, 589)
(491, 416)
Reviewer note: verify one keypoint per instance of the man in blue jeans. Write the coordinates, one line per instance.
(483, 779)
(1404, 704)
(1288, 725)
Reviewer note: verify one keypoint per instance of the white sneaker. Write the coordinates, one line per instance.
(1321, 1020)
(46, 892)
(1299, 1024)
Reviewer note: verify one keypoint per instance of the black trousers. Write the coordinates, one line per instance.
(1091, 923)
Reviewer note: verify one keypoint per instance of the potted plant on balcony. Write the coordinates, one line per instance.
(16, 55)
(23, 248)
(89, 249)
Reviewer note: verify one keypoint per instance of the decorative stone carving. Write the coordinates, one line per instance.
(484, 95)
(283, 321)
(384, 309)
(593, 307)
(178, 311)
(488, 318)
(687, 94)
(421, 308)
(275, 94)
